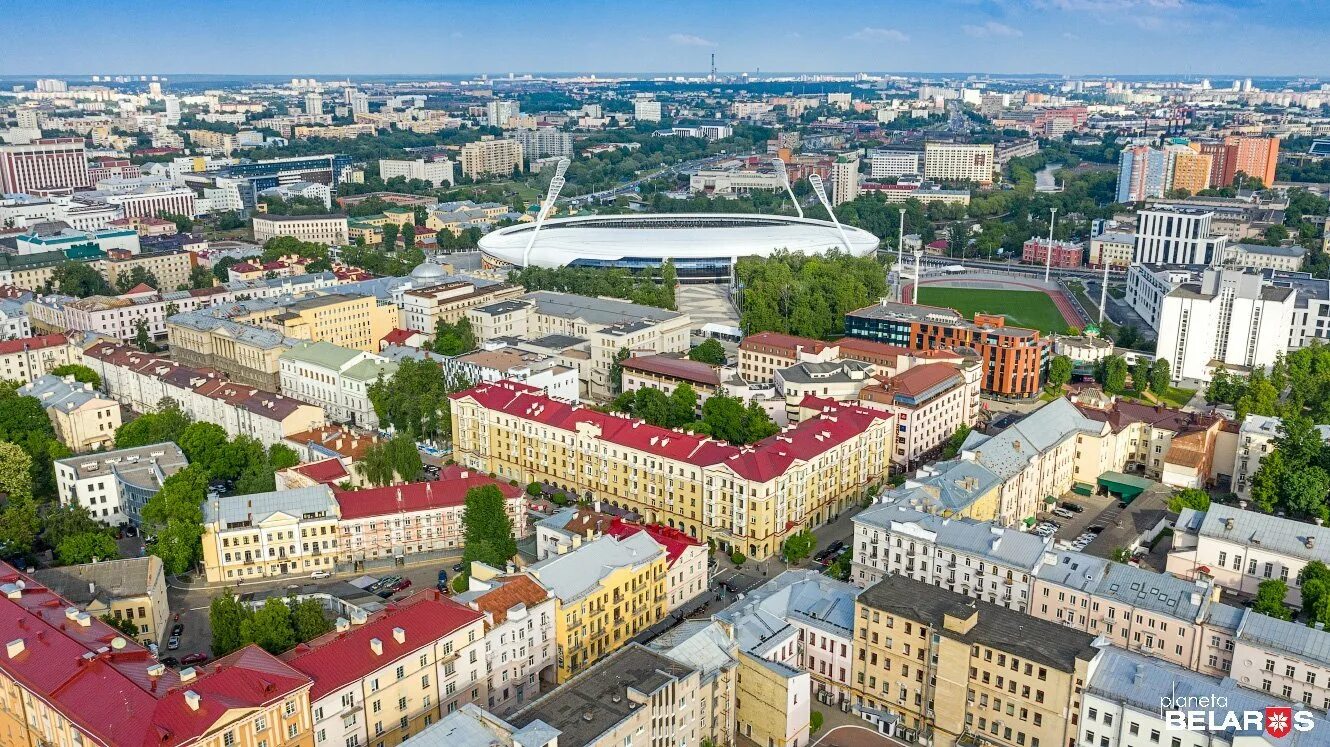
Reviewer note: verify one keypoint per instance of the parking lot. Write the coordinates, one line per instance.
(1093, 514)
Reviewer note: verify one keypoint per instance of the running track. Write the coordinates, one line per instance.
(1060, 300)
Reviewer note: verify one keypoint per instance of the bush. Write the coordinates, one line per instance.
(738, 558)
(815, 722)
(533, 489)
(460, 583)
(513, 483)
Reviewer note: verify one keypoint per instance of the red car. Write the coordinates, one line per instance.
(404, 583)
(193, 659)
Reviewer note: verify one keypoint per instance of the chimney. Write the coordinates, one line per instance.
(376, 646)
(343, 625)
(83, 619)
(92, 589)
(14, 647)
(156, 669)
(191, 698)
(188, 674)
(399, 635)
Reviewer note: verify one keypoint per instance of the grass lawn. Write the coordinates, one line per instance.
(1022, 308)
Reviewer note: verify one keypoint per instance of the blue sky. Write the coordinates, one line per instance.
(320, 37)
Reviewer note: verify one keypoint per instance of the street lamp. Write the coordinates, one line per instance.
(900, 257)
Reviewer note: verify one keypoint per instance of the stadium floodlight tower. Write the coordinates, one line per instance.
(821, 192)
(785, 179)
(556, 184)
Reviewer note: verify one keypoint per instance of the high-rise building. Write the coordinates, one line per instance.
(646, 110)
(313, 103)
(437, 173)
(1142, 173)
(959, 162)
(544, 141)
(1191, 170)
(172, 109)
(51, 85)
(359, 102)
(1255, 156)
(884, 164)
(43, 164)
(490, 156)
(499, 111)
(1230, 319)
(844, 179)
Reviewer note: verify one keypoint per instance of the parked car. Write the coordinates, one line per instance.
(1064, 513)
(173, 643)
(402, 584)
(320, 574)
(432, 468)
(1075, 507)
(458, 567)
(191, 659)
(169, 661)
(177, 629)
(835, 546)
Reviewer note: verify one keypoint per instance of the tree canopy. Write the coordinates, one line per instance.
(708, 351)
(807, 296)
(414, 400)
(453, 339)
(175, 517)
(486, 527)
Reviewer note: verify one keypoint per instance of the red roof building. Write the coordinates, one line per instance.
(762, 354)
(668, 371)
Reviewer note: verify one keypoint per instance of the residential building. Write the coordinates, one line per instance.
(885, 164)
(1066, 254)
(814, 611)
(533, 369)
(1283, 658)
(490, 157)
(930, 403)
(835, 381)
(519, 637)
(1191, 170)
(667, 372)
(264, 535)
(646, 110)
(1260, 256)
(1239, 549)
(936, 665)
(171, 267)
(436, 172)
(1174, 447)
(610, 325)
(346, 319)
(706, 646)
(762, 354)
(844, 179)
(1177, 236)
(543, 142)
(1254, 156)
(27, 359)
(499, 111)
(323, 229)
(69, 678)
(131, 589)
(1112, 248)
(115, 485)
(83, 420)
(381, 678)
(608, 591)
(1256, 439)
(959, 162)
(1013, 357)
(685, 561)
(1231, 319)
(448, 300)
(973, 558)
(45, 163)
(245, 353)
(747, 499)
(567, 528)
(334, 378)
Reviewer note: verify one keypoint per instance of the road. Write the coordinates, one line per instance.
(631, 187)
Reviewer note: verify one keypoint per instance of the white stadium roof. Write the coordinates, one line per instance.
(670, 236)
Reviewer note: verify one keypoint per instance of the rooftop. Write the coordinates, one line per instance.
(675, 367)
(254, 509)
(1008, 547)
(449, 490)
(143, 466)
(107, 579)
(1270, 533)
(578, 572)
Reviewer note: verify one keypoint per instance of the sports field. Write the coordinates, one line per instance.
(1023, 308)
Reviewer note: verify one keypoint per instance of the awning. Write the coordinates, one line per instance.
(1050, 500)
(1030, 521)
(1125, 486)
(1081, 488)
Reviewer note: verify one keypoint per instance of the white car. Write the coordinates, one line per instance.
(320, 574)
(1064, 513)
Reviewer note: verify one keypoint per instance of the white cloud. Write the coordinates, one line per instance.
(870, 33)
(1111, 6)
(991, 28)
(690, 40)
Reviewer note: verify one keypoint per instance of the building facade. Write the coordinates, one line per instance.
(322, 229)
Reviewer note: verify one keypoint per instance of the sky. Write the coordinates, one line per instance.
(444, 37)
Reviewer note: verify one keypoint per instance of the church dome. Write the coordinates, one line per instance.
(428, 271)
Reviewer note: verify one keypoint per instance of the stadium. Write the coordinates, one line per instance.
(703, 246)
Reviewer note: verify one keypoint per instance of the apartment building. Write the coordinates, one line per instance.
(959, 162)
(1171, 446)
(762, 354)
(844, 179)
(1014, 358)
(131, 589)
(334, 378)
(322, 229)
(746, 499)
(382, 678)
(835, 381)
(543, 142)
(1231, 318)
(83, 419)
(668, 372)
(115, 485)
(1113, 248)
(69, 678)
(247, 354)
(171, 267)
(519, 637)
(608, 591)
(687, 575)
(424, 307)
(119, 316)
(349, 320)
(1282, 658)
(646, 110)
(140, 381)
(269, 534)
(885, 164)
(973, 558)
(610, 326)
(936, 665)
(28, 358)
(490, 157)
(930, 402)
(436, 172)
(1239, 549)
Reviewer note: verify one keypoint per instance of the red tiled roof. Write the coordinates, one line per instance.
(31, 343)
(107, 692)
(675, 368)
(869, 351)
(449, 490)
(913, 381)
(338, 659)
(326, 471)
(510, 592)
(761, 461)
(789, 342)
(399, 336)
(245, 267)
(140, 288)
(675, 542)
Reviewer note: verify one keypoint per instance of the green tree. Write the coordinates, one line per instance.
(953, 445)
(200, 277)
(86, 547)
(486, 528)
(1160, 376)
(60, 521)
(390, 231)
(1190, 498)
(19, 526)
(79, 280)
(15, 472)
(408, 236)
(206, 445)
(1140, 376)
(308, 620)
(136, 276)
(221, 269)
(616, 370)
(142, 338)
(1314, 580)
(1113, 374)
(709, 351)
(683, 405)
(1270, 595)
(387, 462)
(228, 618)
(23, 422)
(799, 545)
(453, 339)
(175, 516)
(1059, 371)
(183, 223)
(126, 626)
(653, 406)
(167, 424)
(281, 456)
(815, 721)
(80, 373)
(414, 400)
(270, 627)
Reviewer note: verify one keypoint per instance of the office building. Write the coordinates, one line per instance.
(958, 162)
(263, 535)
(352, 321)
(646, 110)
(930, 402)
(115, 485)
(335, 378)
(491, 157)
(446, 298)
(322, 229)
(519, 637)
(437, 172)
(127, 589)
(247, 354)
(48, 163)
(886, 164)
(1230, 319)
(844, 179)
(1066, 254)
(1177, 236)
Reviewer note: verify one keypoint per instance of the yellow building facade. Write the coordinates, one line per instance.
(356, 322)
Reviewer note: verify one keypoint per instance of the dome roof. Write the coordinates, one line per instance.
(428, 271)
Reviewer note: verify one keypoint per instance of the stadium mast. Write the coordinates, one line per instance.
(785, 179)
(556, 185)
(821, 192)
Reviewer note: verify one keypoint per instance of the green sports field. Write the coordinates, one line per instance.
(1022, 308)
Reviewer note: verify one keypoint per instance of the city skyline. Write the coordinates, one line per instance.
(1009, 37)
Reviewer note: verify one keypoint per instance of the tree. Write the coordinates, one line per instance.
(1161, 374)
(60, 521)
(616, 370)
(206, 445)
(387, 462)
(142, 338)
(87, 547)
(390, 231)
(15, 472)
(1113, 374)
(1121, 555)
(683, 405)
(408, 236)
(270, 627)
(653, 406)
(710, 351)
(80, 373)
(136, 276)
(183, 223)
(19, 526)
(167, 424)
(1270, 595)
(281, 456)
(954, 442)
(799, 545)
(487, 528)
(175, 516)
(221, 269)
(227, 617)
(1314, 580)
(79, 280)
(414, 400)
(24, 422)
(123, 624)
(1193, 498)
(1140, 376)
(200, 277)
(815, 720)
(308, 620)
(1059, 371)
(454, 339)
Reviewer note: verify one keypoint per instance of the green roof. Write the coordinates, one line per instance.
(369, 369)
(1128, 486)
(321, 353)
(30, 261)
